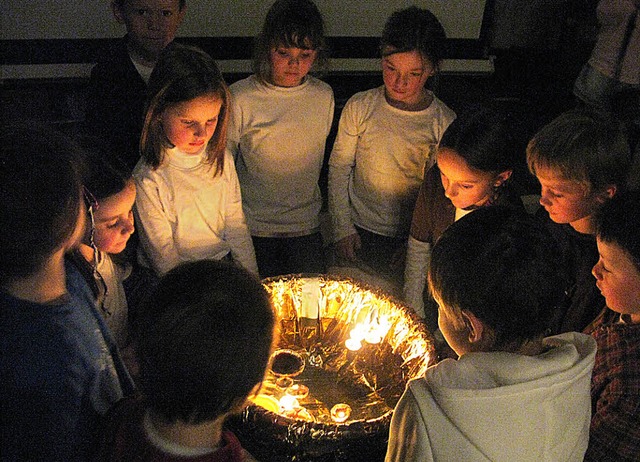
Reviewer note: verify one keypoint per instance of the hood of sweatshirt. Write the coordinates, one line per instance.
(506, 406)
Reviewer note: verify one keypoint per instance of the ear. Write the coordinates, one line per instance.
(117, 13)
(607, 193)
(475, 327)
(501, 178)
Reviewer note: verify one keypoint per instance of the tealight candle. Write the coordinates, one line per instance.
(288, 403)
(358, 332)
(353, 344)
(298, 391)
(374, 336)
(340, 412)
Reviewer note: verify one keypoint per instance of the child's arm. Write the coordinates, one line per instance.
(341, 164)
(156, 233)
(236, 231)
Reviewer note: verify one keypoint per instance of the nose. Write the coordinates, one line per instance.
(128, 227)
(597, 271)
(154, 21)
(294, 61)
(544, 198)
(199, 130)
(450, 190)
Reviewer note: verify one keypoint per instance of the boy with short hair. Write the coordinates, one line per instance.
(581, 160)
(59, 368)
(118, 84)
(512, 394)
(206, 340)
(615, 386)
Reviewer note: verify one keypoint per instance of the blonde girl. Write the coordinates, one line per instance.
(189, 205)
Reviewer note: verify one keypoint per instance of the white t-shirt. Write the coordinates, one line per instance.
(277, 136)
(378, 162)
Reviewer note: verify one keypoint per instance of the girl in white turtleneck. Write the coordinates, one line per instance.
(188, 205)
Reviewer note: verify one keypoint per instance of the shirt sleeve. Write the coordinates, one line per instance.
(341, 164)
(236, 230)
(156, 233)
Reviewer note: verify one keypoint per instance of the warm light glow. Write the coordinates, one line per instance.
(267, 402)
(289, 403)
(298, 391)
(358, 332)
(353, 344)
(340, 412)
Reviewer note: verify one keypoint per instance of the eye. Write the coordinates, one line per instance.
(112, 225)
(212, 121)
(167, 13)
(306, 55)
(142, 12)
(282, 52)
(187, 122)
(466, 186)
(416, 74)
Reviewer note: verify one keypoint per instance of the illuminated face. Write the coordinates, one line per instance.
(190, 125)
(618, 279)
(289, 66)
(404, 76)
(151, 24)
(114, 220)
(463, 185)
(566, 201)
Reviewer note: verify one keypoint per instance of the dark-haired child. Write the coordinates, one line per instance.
(209, 329)
(59, 366)
(188, 205)
(615, 386)
(280, 119)
(513, 394)
(387, 139)
(118, 85)
(581, 160)
(474, 162)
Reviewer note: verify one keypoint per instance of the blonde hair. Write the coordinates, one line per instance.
(183, 73)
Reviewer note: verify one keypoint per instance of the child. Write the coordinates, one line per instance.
(210, 329)
(110, 192)
(512, 394)
(615, 387)
(280, 121)
(59, 368)
(188, 205)
(581, 160)
(475, 160)
(387, 138)
(118, 84)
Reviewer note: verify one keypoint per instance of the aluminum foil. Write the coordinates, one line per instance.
(317, 315)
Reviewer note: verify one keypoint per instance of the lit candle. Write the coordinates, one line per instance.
(358, 332)
(374, 335)
(353, 344)
(340, 412)
(289, 403)
(298, 391)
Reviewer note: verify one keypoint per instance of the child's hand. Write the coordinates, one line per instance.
(346, 247)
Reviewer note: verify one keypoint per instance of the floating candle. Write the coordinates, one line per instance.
(340, 412)
(298, 391)
(353, 344)
(288, 403)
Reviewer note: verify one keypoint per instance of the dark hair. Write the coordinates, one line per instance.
(618, 222)
(290, 23)
(106, 174)
(412, 29)
(584, 146)
(482, 138)
(181, 74)
(502, 265)
(40, 196)
(120, 3)
(205, 341)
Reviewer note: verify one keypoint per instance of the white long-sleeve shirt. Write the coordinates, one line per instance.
(184, 213)
(499, 407)
(277, 136)
(378, 163)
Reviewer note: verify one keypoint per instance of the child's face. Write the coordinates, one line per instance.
(566, 201)
(463, 185)
(114, 220)
(151, 24)
(289, 66)
(404, 76)
(618, 279)
(190, 125)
